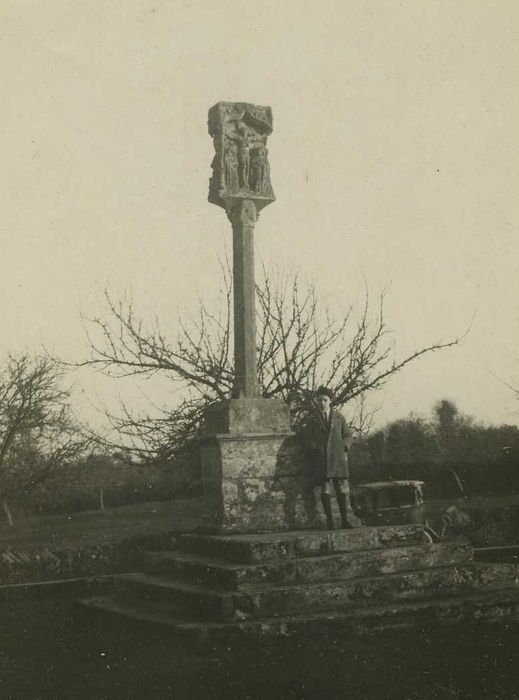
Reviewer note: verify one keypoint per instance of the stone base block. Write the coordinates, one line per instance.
(256, 483)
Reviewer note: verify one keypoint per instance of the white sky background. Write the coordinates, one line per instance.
(394, 159)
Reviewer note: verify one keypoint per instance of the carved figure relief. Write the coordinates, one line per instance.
(231, 180)
(238, 133)
(244, 165)
(260, 171)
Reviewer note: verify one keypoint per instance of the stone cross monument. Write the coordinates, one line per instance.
(241, 185)
(247, 452)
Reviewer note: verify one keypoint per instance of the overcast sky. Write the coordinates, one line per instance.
(394, 159)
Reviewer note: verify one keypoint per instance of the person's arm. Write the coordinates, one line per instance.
(347, 435)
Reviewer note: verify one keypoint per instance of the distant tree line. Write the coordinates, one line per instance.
(453, 453)
(48, 461)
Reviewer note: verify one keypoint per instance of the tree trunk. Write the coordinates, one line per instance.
(101, 499)
(8, 513)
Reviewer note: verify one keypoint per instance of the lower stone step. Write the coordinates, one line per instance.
(408, 585)
(201, 602)
(196, 568)
(488, 607)
(184, 599)
(279, 546)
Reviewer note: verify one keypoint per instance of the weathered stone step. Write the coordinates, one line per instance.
(198, 568)
(260, 548)
(485, 607)
(409, 585)
(202, 602)
(183, 599)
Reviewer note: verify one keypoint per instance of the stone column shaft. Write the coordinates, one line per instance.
(243, 218)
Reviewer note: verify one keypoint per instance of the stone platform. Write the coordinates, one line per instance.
(216, 587)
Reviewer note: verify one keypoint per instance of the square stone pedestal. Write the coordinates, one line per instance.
(248, 416)
(253, 469)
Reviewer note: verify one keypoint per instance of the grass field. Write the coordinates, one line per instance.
(112, 524)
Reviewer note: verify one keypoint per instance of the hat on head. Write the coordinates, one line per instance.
(324, 391)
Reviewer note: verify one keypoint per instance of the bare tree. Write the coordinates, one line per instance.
(37, 431)
(300, 346)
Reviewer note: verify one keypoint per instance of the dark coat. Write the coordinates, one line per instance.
(329, 445)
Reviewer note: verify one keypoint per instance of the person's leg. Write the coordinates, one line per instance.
(348, 518)
(340, 492)
(326, 500)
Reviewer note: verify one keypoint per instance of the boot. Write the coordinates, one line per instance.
(348, 519)
(327, 507)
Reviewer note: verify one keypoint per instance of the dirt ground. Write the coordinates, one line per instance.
(48, 651)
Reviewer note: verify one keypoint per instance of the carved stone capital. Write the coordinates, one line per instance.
(242, 212)
(241, 168)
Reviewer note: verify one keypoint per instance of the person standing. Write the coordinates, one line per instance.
(330, 441)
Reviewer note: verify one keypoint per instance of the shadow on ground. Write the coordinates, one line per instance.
(47, 651)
